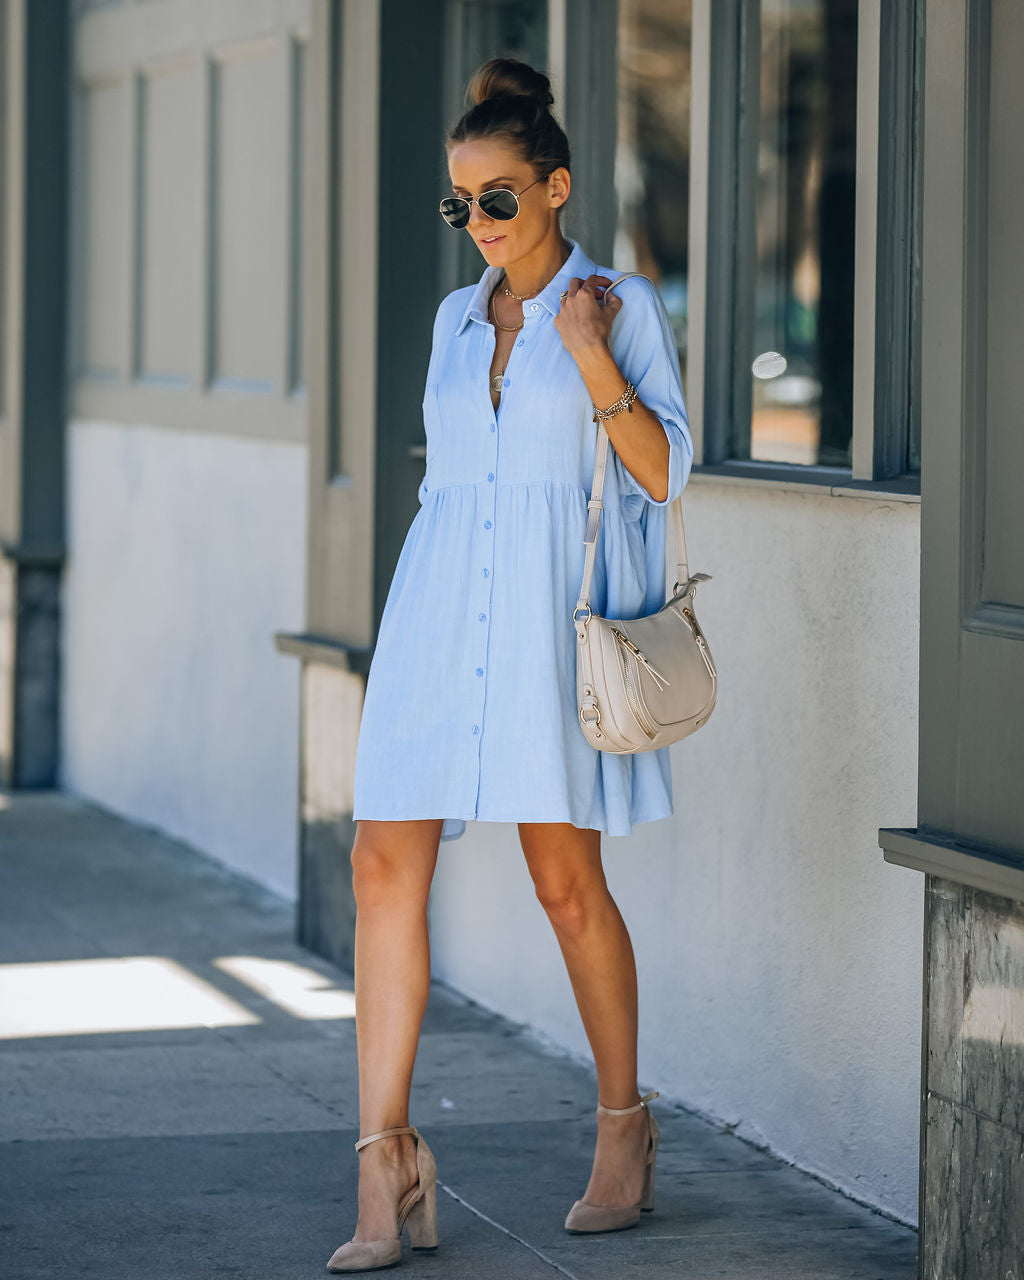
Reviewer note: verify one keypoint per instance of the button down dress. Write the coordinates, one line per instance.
(470, 707)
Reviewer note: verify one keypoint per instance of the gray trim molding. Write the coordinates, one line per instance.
(897, 406)
(938, 853)
(410, 127)
(166, 328)
(730, 254)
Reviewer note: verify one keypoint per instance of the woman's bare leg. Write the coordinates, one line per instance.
(565, 863)
(392, 871)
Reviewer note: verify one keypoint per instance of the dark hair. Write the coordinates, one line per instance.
(512, 100)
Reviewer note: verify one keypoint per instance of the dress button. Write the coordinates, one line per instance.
(476, 728)
(507, 382)
(482, 617)
(493, 428)
(485, 572)
(479, 671)
(535, 307)
(487, 524)
(520, 342)
(490, 475)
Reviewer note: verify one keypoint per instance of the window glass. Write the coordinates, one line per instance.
(802, 361)
(652, 158)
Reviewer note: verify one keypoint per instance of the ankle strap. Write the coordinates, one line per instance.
(386, 1133)
(627, 1111)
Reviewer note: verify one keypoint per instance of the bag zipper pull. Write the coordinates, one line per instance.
(656, 675)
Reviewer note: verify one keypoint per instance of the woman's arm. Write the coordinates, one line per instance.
(639, 438)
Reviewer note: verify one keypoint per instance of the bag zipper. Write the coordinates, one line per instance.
(633, 696)
(690, 618)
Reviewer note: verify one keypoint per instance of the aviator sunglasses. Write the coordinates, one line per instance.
(499, 203)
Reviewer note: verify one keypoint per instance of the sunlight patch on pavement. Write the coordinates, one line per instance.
(300, 991)
(109, 994)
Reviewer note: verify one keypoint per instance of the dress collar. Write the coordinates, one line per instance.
(577, 264)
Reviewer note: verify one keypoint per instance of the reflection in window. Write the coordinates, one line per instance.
(803, 300)
(652, 159)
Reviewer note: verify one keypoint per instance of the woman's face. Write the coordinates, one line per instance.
(478, 165)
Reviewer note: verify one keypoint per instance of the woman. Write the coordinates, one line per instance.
(470, 708)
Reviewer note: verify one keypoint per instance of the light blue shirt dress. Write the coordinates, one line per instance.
(470, 706)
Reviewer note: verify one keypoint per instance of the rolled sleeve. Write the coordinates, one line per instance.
(644, 348)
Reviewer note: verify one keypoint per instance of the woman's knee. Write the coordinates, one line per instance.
(389, 870)
(565, 865)
(570, 901)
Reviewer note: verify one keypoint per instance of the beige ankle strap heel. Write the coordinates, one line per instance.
(385, 1133)
(628, 1111)
(417, 1211)
(585, 1217)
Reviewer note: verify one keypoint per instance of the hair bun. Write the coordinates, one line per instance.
(508, 77)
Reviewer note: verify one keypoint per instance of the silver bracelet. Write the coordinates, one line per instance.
(625, 401)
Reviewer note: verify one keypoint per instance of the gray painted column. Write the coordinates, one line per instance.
(34, 89)
(970, 841)
(373, 287)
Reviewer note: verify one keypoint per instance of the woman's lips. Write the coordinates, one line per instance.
(489, 240)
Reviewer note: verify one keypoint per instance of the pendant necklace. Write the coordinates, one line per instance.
(496, 378)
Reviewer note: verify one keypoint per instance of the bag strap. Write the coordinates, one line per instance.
(595, 505)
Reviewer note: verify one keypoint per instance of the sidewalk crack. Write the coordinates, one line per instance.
(511, 1234)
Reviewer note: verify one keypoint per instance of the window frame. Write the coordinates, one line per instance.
(725, 53)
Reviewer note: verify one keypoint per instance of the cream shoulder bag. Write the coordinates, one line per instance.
(641, 683)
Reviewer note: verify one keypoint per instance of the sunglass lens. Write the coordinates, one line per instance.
(499, 204)
(455, 211)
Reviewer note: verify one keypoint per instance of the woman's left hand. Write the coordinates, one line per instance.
(584, 321)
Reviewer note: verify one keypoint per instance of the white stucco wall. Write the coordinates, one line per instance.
(779, 955)
(187, 552)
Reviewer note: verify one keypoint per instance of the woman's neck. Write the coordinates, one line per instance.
(529, 275)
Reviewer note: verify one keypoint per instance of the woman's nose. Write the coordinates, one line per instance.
(477, 217)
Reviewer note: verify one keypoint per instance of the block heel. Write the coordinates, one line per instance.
(585, 1217)
(647, 1198)
(417, 1214)
(422, 1220)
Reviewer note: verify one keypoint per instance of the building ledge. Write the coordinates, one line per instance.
(824, 480)
(999, 871)
(309, 647)
(33, 556)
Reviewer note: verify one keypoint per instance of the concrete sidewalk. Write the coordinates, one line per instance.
(179, 1101)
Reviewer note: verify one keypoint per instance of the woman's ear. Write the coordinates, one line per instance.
(559, 185)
